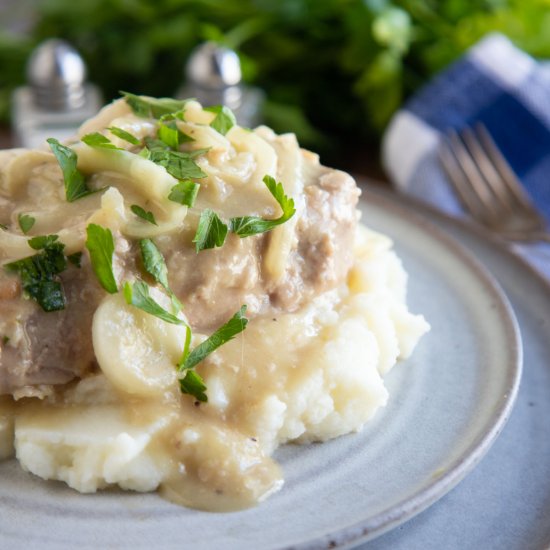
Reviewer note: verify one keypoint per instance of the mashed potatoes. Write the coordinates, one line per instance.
(325, 326)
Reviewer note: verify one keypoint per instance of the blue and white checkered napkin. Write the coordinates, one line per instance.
(498, 85)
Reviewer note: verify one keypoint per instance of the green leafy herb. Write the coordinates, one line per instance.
(99, 141)
(153, 107)
(39, 273)
(224, 120)
(177, 164)
(153, 144)
(211, 231)
(101, 246)
(43, 241)
(137, 295)
(143, 214)
(185, 192)
(154, 263)
(75, 259)
(25, 222)
(75, 185)
(251, 225)
(3, 227)
(124, 135)
(191, 382)
(224, 334)
(170, 134)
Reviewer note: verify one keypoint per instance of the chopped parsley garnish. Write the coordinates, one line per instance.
(246, 226)
(75, 259)
(191, 382)
(3, 227)
(224, 120)
(151, 107)
(153, 144)
(177, 164)
(137, 295)
(211, 231)
(153, 262)
(124, 135)
(143, 214)
(101, 247)
(25, 222)
(39, 273)
(44, 241)
(170, 134)
(99, 141)
(75, 185)
(185, 192)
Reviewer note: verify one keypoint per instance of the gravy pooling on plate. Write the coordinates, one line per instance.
(179, 296)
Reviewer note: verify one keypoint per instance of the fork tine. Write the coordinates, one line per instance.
(474, 176)
(487, 169)
(512, 184)
(459, 181)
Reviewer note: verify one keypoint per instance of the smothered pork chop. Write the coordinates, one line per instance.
(179, 296)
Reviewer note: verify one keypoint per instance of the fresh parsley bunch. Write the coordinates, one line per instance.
(334, 70)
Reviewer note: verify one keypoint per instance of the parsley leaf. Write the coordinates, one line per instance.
(177, 164)
(211, 231)
(252, 225)
(224, 120)
(144, 215)
(224, 334)
(44, 241)
(3, 227)
(137, 295)
(170, 134)
(123, 134)
(185, 192)
(101, 246)
(25, 222)
(38, 273)
(152, 107)
(153, 144)
(75, 186)
(154, 263)
(193, 384)
(99, 141)
(75, 259)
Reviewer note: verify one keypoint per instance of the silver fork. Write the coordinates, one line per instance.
(488, 188)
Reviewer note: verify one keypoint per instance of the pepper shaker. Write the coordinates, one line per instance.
(57, 98)
(213, 77)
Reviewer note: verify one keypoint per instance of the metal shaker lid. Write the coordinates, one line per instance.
(214, 75)
(56, 74)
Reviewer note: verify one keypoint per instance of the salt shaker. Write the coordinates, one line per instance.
(213, 77)
(57, 98)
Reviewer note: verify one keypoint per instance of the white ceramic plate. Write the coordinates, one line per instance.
(447, 405)
(505, 501)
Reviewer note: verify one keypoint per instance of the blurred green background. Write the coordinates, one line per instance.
(334, 70)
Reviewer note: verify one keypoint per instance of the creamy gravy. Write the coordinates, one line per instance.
(97, 400)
